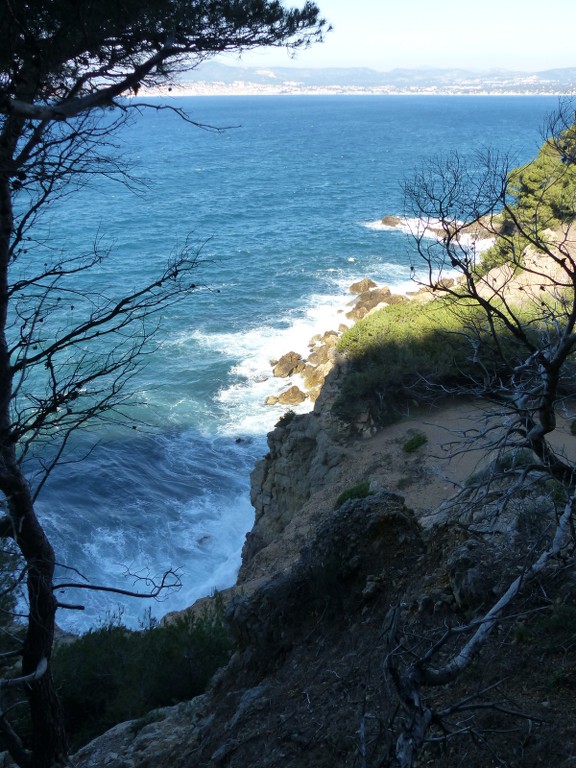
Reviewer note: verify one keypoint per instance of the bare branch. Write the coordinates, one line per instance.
(170, 580)
(13, 682)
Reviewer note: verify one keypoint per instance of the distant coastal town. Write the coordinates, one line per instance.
(242, 88)
(215, 79)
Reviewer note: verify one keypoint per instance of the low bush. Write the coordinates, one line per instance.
(414, 442)
(286, 418)
(359, 491)
(113, 674)
(514, 459)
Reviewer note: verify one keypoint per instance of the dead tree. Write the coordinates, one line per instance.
(517, 310)
(519, 317)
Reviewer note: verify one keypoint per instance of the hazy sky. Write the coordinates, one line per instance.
(383, 34)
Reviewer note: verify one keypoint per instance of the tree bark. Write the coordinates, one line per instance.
(49, 745)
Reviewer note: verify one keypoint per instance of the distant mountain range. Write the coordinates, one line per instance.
(213, 77)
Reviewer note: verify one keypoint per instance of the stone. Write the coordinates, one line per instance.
(319, 356)
(396, 298)
(357, 314)
(292, 396)
(369, 300)
(288, 365)
(313, 377)
(391, 221)
(360, 286)
(155, 740)
(470, 573)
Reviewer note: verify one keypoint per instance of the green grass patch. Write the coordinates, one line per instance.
(414, 442)
(358, 491)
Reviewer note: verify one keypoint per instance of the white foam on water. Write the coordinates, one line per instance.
(243, 398)
(430, 228)
(201, 539)
(252, 381)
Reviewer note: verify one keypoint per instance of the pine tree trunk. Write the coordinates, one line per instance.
(49, 747)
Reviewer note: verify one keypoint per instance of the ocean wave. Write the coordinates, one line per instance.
(251, 381)
(432, 229)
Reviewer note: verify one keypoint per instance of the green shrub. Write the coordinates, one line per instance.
(113, 674)
(404, 351)
(285, 419)
(358, 491)
(414, 442)
(541, 194)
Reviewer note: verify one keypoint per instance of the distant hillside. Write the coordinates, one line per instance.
(214, 77)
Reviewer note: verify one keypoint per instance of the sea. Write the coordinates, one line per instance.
(281, 197)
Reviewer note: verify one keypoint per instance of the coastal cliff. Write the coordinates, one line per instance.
(332, 592)
(323, 590)
(371, 561)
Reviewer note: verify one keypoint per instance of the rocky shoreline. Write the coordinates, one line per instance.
(313, 369)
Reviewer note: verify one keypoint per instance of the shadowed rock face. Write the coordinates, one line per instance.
(362, 537)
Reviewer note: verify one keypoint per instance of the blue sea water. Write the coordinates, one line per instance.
(282, 205)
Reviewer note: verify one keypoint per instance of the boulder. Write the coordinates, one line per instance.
(324, 356)
(367, 301)
(313, 377)
(391, 221)
(472, 574)
(362, 285)
(291, 396)
(314, 340)
(374, 296)
(357, 313)
(288, 365)
(396, 298)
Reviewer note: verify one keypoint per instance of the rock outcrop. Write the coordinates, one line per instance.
(288, 365)
(305, 454)
(313, 368)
